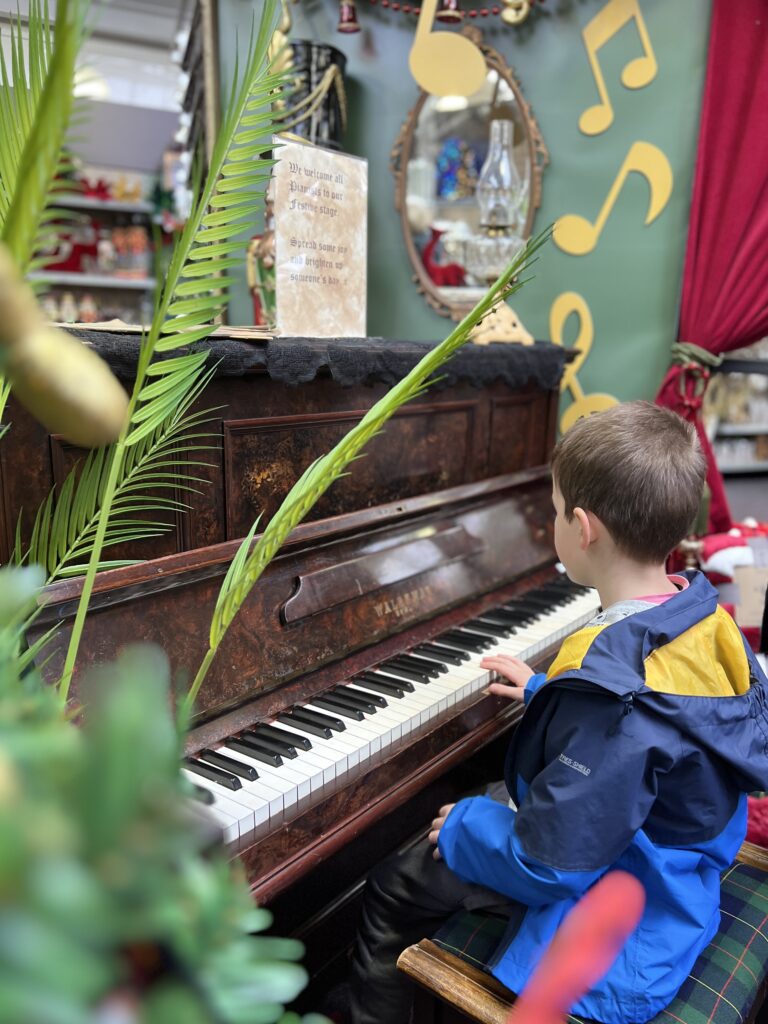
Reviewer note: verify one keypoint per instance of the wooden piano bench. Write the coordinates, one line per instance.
(728, 983)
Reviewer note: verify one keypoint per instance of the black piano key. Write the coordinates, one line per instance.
(491, 628)
(278, 736)
(254, 750)
(368, 701)
(531, 601)
(205, 796)
(277, 746)
(372, 682)
(303, 726)
(374, 675)
(514, 613)
(350, 700)
(465, 640)
(435, 666)
(413, 674)
(333, 704)
(482, 638)
(304, 714)
(556, 593)
(217, 775)
(524, 613)
(442, 653)
(462, 645)
(508, 621)
(418, 664)
(230, 764)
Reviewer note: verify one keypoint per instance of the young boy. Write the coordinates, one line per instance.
(636, 749)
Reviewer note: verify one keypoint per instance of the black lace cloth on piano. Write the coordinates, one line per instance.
(353, 361)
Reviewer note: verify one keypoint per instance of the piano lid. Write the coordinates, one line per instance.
(337, 585)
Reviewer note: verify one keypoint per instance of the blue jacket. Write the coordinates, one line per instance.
(636, 751)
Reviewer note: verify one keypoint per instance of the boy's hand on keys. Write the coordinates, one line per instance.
(516, 671)
(436, 825)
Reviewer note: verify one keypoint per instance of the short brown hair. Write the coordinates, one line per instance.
(637, 467)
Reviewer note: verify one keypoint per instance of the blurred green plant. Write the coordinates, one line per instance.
(115, 896)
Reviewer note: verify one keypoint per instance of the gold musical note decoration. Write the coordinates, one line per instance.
(443, 63)
(637, 73)
(564, 305)
(577, 236)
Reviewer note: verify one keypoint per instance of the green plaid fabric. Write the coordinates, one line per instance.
(724, 982)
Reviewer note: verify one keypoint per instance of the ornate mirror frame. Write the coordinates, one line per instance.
(401, 151)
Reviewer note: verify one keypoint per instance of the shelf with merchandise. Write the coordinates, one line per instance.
(736, 412)
(78, 201)
(75, 279)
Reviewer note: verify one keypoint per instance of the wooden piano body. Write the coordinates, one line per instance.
(345, 593)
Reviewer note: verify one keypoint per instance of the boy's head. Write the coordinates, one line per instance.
(637, 470)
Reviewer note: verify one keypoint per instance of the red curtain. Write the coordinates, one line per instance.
(724, 302)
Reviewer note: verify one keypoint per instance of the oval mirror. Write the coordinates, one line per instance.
(468, 175)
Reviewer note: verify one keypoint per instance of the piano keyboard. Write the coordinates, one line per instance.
(257, 777)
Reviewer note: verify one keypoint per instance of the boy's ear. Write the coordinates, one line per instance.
(588, 527)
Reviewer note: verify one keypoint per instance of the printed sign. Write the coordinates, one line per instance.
(321, 218)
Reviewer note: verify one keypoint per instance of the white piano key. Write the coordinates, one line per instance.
(317, 756)
(281, 779)
(338, 745)
(265, 800)
(239, 812)
(359, 733)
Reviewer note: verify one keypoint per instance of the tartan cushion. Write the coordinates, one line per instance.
(724, 982)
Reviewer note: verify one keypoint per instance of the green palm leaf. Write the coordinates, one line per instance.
(35, 119)
(18, 105)
(65, 526)
(248, 565)
(186, 316)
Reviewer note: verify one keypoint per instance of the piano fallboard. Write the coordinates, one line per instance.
(402, 563)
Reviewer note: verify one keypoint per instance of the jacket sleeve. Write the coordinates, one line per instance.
(591, 791)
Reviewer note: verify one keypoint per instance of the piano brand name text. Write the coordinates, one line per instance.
(404, 604)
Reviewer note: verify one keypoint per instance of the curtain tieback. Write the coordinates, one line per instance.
(695, 364)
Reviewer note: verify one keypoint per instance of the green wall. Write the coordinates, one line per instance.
(631, 280)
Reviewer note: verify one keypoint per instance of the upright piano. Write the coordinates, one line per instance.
(347, 701)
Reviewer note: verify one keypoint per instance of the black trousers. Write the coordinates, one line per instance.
(407, 897)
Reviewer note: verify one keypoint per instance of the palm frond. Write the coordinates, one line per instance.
(181, 318)
(38, 116)
(21, 88)
(196, 288)
(248, 565)
(66, 524)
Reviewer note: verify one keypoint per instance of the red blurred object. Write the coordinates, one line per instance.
(70, 253)
(98, 189)
(347, 17)
(449, 10)
(584, 947)
(450, 274)
(757, 820)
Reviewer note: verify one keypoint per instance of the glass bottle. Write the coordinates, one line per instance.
(499, 188)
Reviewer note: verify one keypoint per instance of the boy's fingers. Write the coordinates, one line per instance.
(507, 666)
(501, 690)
